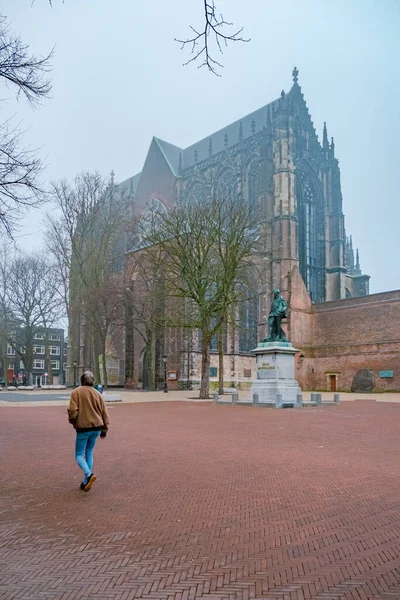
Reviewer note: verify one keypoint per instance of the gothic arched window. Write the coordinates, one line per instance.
(253, 187)
(311, 243)
(226, 187)
(248, 324)
(197, 193)
(151, 216)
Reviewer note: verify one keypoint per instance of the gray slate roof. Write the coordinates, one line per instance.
(129, 185)
(251, 124)
(218, 141)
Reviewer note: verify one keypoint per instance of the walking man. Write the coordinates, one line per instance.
(88, 414)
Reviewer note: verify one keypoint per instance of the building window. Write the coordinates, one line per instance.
(226, 188)
(11, 366)
(64, 366)
(38, 336)
(21, 364)
(54, 337)
(213, 371)
(248, 323)
(10, 350)
(311, 243)
(55, 350)
(247, 373)
(197, 194)
(55, 365)
(39, 350)
(38, 364)
(65, 351)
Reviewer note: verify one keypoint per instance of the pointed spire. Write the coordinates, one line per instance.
(195, 156)
(358, 268)
(295, 75)
(351, 242)
(240, 132)
(180, 163)
(112, 175)
(210, 148)
(226, 140)
(253, 126)
(282, 94)
(325, 143)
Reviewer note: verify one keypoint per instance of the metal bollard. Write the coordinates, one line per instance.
(336, 398)
(235, 398)
(299, 400)
(215, 397)
(255, 399)
(278, 401)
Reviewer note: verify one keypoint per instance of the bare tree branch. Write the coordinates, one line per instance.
(19, 171)
(19, 166)
(212, 31)
(17, 67)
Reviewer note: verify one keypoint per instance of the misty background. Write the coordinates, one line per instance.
(118, 80)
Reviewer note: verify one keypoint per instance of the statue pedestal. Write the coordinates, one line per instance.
(275, 373)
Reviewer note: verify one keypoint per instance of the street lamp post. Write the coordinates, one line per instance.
(164, 358)
(75, 367)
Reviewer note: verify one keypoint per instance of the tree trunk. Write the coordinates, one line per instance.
(96, 356)
(70, 358)
(5, 364)
(103, 348)
(47, 363)
(28, 364)
(96, 361)
(221, 360)
(150, 369)
(205, 366)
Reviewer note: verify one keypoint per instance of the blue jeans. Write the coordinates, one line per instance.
(84, 446)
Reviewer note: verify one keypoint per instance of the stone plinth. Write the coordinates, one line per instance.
(275, 373)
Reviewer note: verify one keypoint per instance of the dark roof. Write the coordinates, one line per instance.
(213, 144)
(129, 185)
(171, 154)
(228, 136)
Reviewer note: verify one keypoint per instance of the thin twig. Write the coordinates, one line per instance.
(200, 41)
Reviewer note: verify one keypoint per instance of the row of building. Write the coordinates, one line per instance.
(49, 359)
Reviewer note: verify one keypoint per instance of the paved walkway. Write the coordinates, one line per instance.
(195, 500)
(54, 398)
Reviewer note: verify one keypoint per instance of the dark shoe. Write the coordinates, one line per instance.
(83, 485)
(90, 482)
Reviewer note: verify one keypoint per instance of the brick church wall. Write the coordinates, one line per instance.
(350, 335)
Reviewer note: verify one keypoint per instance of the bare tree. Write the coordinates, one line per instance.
(34, 305)
(81, 236)
(68, 230)
(19, 166)
(213, 32)
(208, 252)
(146, 303)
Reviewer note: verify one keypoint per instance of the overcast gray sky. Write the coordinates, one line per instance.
(118, 80)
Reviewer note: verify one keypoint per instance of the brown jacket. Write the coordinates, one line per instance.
(87, 409)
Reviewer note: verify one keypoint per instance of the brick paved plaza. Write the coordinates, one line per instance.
(203, 501)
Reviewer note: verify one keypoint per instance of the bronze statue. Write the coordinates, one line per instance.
(279, 311)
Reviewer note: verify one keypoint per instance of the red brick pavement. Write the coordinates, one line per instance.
(203, 501)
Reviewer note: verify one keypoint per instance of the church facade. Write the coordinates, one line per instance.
(272, 159)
